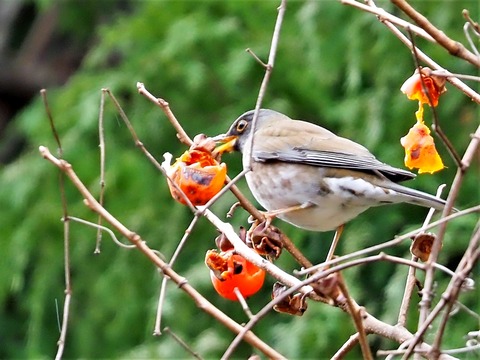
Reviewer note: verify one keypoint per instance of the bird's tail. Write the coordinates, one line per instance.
(417, 197)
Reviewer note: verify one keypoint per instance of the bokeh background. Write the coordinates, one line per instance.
(336, 66)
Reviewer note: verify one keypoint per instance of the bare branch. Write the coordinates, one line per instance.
(101, 228)
(140, 145)
(411, 278)
(457, 181)
(465, 266)
(349, 344)
(397, 240)
(163, 289)
(453, 47)
(164, 105)
(474, 24)
(182, 343)
(266, 78)
(421, 55)
(66, 235)
(356, 312)
(101, 145)
(386, 16)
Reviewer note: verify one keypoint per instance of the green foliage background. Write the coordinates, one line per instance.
(335, 66)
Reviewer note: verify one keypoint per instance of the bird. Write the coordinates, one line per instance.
(311, 178)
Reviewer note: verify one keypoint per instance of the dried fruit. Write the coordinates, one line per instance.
(267, 241)
(229, 271)
(293, 304)
(224, 244)
(422, 245)
(328, 287)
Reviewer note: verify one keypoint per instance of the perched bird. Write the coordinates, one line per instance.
(312, 178)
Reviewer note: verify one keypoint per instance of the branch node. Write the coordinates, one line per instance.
(183, 282)
(163, 102)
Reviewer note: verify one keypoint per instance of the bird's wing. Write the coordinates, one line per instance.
(335, 160)
(316, 146)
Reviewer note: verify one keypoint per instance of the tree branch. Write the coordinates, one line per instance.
(453, 47)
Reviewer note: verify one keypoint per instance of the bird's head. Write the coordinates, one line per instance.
(240, 131)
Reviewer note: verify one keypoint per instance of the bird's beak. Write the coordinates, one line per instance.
(227, 141)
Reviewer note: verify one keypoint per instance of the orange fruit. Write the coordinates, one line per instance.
(198, 175)
(229, 271)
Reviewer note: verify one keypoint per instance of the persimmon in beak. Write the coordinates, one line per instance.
(228, 144)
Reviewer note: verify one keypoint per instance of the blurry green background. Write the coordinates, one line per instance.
(336, 66)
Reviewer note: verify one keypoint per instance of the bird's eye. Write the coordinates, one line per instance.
(241, 126)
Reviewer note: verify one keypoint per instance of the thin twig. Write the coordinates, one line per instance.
(43, 93)
(464, 269)
(266, 79)
(455, 188)
(355, 312)
(421, 55)
(63, 333)
(453, 47)
(243, 302)
(383, 15)
(182, 343)
(445, 73)
(467, 310)
(462, 350)
(163, 289)
(66, 234)
(255, 56)
(165, 106)
(101, 228)
(431, 211)
(407, 294)
(467, 27)
(232, 209)
(346, 347)
(101, 145)
(397, 240)
(468, 260)
(140, 145)
(475, 25)
(411, 278)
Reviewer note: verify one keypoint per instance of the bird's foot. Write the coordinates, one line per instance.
(272, 214)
